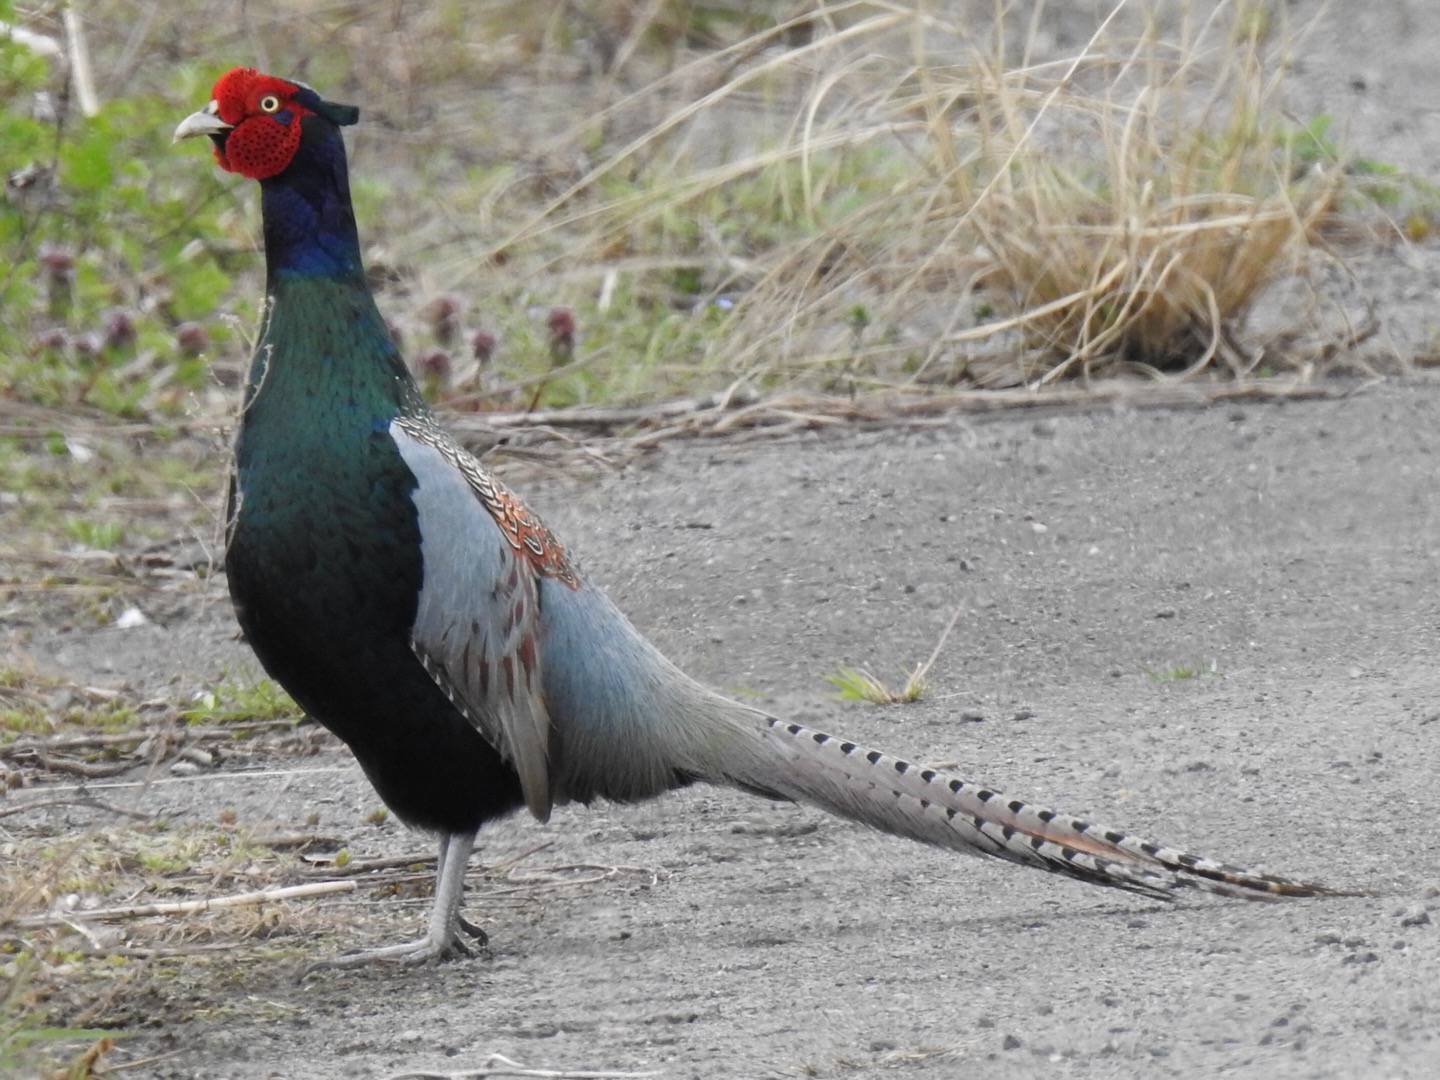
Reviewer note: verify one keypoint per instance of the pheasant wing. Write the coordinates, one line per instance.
(477, 617)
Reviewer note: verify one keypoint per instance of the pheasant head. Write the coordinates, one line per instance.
(255, 121)
(285, 135)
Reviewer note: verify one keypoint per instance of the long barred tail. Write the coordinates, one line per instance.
(893, 795)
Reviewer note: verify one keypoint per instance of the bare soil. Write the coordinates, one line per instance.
(1283, 553)
(1215, 625)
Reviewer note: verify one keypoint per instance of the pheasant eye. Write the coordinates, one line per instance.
(269, 103)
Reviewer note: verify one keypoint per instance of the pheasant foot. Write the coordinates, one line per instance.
(442, 940)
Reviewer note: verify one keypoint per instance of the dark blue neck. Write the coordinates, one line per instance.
(309, 223)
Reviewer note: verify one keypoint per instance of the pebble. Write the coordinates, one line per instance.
(130, 618)
(1361, 958)
(1415, 915)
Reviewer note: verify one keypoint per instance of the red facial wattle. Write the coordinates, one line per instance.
(265, 119)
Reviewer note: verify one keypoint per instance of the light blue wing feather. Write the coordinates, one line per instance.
(477, 619)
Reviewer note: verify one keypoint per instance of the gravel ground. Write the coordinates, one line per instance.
(1282, 553)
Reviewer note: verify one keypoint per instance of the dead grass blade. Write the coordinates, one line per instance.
(188, 907)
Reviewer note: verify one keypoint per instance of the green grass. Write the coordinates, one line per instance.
(104, 253)
(237, 702)
(102, 535)
(28, 706)
(104, 490)
(857, 685)
(1180, 672)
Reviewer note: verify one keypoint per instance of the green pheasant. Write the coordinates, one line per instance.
(413, 605)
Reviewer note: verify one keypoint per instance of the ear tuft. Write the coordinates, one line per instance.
(337, 114)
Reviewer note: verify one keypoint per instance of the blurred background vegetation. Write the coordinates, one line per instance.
(638, 199)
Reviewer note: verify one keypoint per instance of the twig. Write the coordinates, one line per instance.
(140, 1063)
(79, 57)
(205, 778)
(189, 907)
(82, 768)
(783, 414)
(157, 952)
(532, 850)
(98, 740)
(78, 800)
(355, 868)
(924, 669)
(500, 1065)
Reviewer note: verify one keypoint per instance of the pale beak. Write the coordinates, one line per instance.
(204, 122)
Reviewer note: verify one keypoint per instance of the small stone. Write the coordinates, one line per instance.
(130, 618)
(1011, 1042)
(1415, 915)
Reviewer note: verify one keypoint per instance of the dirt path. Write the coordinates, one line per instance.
(1286, 553)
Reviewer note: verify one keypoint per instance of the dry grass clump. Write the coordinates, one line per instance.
(1145, 235)
(949, 204)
